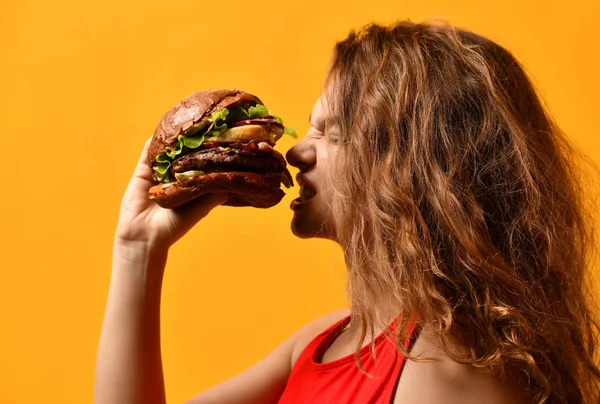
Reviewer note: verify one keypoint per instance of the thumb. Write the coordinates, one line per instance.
(197, 209)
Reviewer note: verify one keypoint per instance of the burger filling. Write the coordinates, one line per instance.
(234, 139)
(240, 157)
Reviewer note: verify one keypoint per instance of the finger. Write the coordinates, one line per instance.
(198, 208)
(142, 178)
(144, 155)
(143, 169)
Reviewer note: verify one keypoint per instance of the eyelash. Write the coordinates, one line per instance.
(323, 134)
(332, 137)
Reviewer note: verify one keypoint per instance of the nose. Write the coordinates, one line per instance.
(302, 155)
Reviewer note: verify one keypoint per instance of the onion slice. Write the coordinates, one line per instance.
(258, 121)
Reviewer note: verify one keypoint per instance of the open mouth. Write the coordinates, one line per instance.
(306, 194)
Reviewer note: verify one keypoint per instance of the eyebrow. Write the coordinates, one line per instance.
(321, 123)
(318, 124)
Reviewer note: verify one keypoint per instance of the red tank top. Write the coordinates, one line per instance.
(340, 381)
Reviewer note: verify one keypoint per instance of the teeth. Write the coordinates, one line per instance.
(307, 193)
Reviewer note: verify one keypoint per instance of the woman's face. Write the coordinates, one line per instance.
(313, 156)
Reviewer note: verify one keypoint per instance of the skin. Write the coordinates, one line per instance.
(129, 367)
(312, 156)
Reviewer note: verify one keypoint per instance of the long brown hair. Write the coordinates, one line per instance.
(459, 198)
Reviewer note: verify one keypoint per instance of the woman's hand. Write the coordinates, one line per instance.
(142, 221)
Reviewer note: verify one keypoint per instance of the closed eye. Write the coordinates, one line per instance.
(318, 123)
(315, 133)
(334, 137)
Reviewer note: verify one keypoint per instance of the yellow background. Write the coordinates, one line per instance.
(84, 84)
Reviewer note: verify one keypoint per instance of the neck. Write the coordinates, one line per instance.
(387, 310)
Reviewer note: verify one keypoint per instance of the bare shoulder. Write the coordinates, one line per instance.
(307, 333)
(441, 380)
(265, 381)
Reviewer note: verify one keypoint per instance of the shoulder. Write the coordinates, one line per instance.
(441, 380)
(304, 335)
(266, 380)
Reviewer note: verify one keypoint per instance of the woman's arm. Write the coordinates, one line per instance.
(129, 367)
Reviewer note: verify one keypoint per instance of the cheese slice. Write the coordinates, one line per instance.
(247, 133)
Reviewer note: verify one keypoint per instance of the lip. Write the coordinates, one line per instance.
(302, 180)
(297, 204)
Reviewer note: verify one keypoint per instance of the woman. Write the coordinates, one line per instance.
(432, 162)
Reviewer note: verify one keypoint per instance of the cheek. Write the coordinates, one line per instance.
(316, 219)
(328, 174)
(325, 151)
(327, 155)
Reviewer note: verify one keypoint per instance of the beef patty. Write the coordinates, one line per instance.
(229, 159)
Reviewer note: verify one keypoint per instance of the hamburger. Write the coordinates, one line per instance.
(219, 140)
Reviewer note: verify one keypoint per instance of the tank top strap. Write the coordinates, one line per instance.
(325, 338)
(340, 380)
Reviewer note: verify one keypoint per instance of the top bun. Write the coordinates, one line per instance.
(192, 109)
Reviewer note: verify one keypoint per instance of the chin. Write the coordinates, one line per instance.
(303, 230)
(307, 227)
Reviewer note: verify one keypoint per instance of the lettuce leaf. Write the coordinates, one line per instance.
(178, 148)
(199, 127)
(162, 168)
(219, 116)
(218, 119)
(162, 172)
(219, 128)
(163, 158)
(257, 111)
(288, 130)
(193, 142)
(237, 113)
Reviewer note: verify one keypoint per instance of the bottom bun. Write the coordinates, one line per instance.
(244, 189)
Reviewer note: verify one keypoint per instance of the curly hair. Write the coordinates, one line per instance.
(456, 194)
